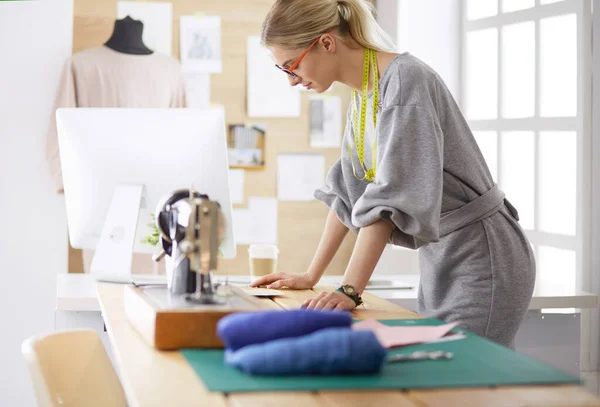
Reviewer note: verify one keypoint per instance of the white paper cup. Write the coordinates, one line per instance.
(263, 259)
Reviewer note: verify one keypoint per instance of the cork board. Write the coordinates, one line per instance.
(300, 224)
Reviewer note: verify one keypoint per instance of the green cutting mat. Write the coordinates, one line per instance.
(476, 362)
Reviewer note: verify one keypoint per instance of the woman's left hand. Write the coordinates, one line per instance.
(330, 301)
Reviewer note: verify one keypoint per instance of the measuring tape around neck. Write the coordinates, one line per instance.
(370, 58)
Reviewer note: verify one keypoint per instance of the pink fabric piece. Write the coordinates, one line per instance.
(395, 336)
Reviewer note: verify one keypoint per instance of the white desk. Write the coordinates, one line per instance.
(77, 292)
(545, 296)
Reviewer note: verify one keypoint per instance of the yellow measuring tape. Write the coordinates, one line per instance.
(359, 130)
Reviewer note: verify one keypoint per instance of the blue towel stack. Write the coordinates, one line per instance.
(298, 342)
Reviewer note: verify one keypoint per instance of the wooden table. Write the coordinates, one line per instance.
(154, 378)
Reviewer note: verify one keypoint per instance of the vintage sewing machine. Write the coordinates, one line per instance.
(184, 314)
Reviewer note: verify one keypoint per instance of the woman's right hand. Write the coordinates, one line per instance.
(278, 280)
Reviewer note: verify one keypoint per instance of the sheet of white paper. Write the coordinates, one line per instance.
(197, 90)
(242, 226)
(299, 175)
(264, 219)
(200, 44)
(325, 121)
(258, 223)
(157, 19)
(269, 92)
(236, 186)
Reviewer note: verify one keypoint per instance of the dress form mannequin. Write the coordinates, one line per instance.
(127, 37)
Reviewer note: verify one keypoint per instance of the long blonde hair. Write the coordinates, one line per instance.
(295, 24)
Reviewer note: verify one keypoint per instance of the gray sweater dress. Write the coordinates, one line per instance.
(433, 184)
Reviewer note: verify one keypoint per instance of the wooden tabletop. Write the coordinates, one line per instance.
(164, 378)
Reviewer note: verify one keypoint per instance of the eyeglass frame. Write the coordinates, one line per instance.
(290, 70)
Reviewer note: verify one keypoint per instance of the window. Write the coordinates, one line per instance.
(526, 94)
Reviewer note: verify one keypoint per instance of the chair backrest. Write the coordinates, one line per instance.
(71, 368)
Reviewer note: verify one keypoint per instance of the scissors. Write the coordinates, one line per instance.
(421, 355)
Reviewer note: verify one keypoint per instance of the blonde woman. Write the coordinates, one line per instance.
(410, 174)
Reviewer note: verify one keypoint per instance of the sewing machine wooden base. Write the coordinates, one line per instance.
(169, 322)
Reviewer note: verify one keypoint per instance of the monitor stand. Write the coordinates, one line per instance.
(114, 252)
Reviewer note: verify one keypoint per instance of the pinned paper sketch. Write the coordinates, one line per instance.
(157, 19)
(269, 92)
(200, 44)
(197, 90)
(257, 223)
(236, 186)
(299, 175)
(325, 121)
(245, 145)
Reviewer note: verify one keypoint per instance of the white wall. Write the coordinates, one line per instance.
(35, 40)
(429, 30)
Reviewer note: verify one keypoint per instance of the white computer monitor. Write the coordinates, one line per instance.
(162, 150)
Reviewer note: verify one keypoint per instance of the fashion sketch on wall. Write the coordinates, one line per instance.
(200, 44)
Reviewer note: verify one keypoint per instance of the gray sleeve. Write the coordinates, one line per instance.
(335, 195)
(408, 185)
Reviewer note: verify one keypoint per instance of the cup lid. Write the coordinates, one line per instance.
(263, 251)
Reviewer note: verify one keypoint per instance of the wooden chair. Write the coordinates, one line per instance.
(72, 368)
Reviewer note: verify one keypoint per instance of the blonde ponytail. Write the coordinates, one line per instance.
(364, 29)
(296, 23)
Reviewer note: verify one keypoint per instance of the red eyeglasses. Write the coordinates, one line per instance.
(290, 70)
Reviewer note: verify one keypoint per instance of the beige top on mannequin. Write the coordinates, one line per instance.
(102, 77)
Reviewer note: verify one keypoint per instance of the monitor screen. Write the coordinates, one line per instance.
(162, 149)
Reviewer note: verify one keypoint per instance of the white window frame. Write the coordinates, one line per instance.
(581, 123)
(590, 361)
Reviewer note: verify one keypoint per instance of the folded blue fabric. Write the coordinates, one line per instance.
(328, 351)
(246, 328)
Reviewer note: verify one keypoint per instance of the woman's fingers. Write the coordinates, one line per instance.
(328, 301)
(313, 302)
(323, 301)
(286, 282)
(331, 304)
(268, 279)
(340, 307)
(306, 303)
(320, 300)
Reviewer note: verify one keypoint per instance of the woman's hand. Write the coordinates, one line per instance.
(278, 280)
(333, 301)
